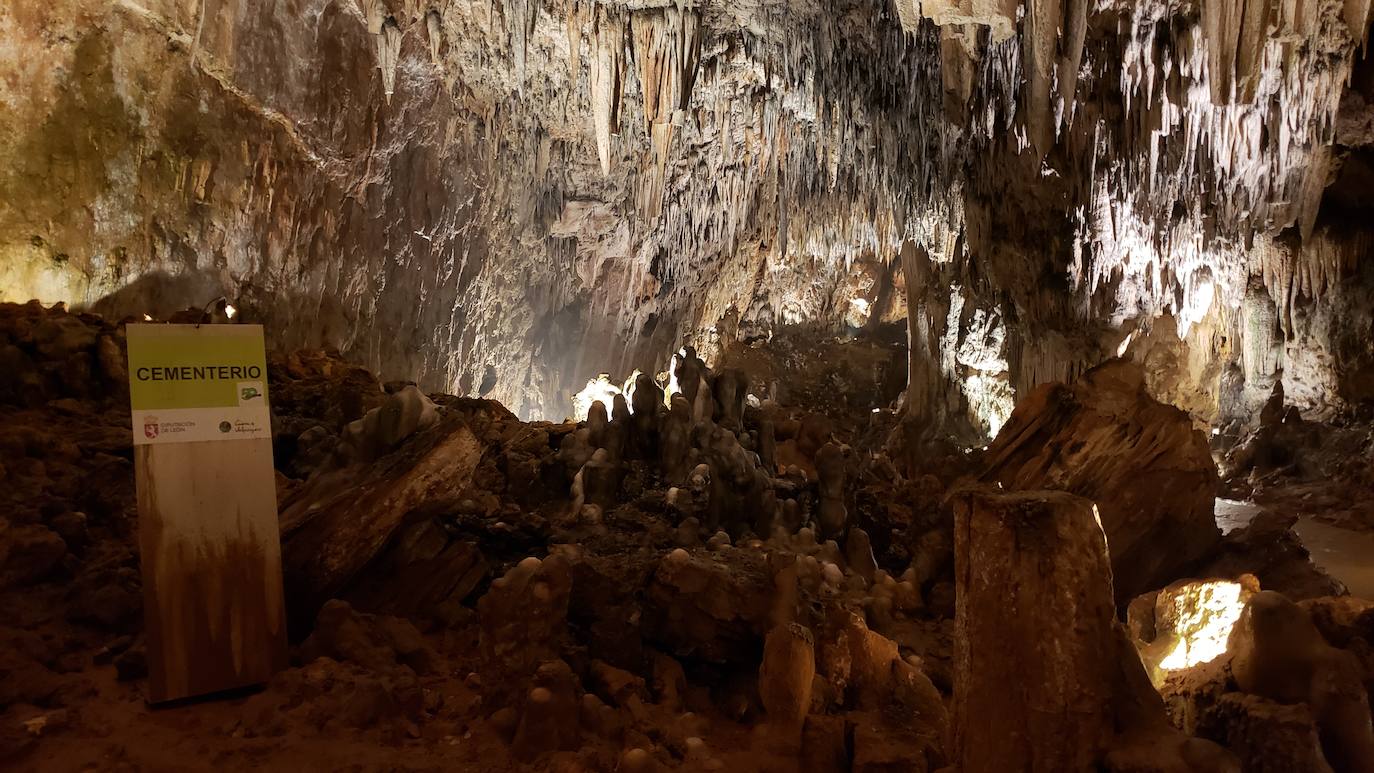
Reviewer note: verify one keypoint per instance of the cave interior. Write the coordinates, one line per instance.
(944, 386)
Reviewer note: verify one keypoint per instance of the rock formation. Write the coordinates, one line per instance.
(1032, 692)
(351, 179)
(1144, 466)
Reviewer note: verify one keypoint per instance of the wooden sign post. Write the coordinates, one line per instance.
(207, 504)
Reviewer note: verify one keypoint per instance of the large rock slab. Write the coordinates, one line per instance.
(343, 519)
(1142, 462)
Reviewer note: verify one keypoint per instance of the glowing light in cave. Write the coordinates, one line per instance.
(230, 311)
(1196, 304)
(628, 389)
(1125, 344)
(858, 312)
(1203, 619)
(599, 389)
(672, 387)
(147, 318)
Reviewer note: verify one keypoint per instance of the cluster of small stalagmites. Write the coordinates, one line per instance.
(544, 696)
(720, 474)
(543, 692)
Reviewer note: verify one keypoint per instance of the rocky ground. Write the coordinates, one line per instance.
(706, 586)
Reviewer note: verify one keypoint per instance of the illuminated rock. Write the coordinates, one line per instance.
(1187, 623)
(597, 390)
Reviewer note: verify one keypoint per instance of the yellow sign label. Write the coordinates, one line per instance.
(190, 383)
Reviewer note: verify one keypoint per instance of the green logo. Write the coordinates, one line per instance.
(248, 393)
(225, 426)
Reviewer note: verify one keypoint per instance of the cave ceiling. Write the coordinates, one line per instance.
(537, 191)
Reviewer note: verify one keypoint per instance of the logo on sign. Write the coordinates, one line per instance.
(225, 426)
(250, 393)
(150, 427)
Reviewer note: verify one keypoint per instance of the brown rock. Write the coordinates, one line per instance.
(1148, 470)
(1342, 619)
(1026, 564)
(524, 624)
(1268, 737)
(716, 610)
(375, 642)
(1278, 653)
(423, 573)
(28, 553)
(786, 677)
(618, 686)
(669, 682)
(872, 658)
(875, 751)
(550, 718)
(824, 748)
(858, 554)
(341, 520)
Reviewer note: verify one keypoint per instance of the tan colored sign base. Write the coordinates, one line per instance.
(211, 555)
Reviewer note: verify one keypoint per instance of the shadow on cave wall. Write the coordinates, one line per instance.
(160, 294)
(291, 320)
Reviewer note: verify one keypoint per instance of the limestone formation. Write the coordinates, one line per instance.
(785, 678)
(452, 604)
(1278, 653)
(1027, 562)
(832, 515)
(1147, 470)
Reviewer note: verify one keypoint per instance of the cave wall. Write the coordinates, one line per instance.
(510, 197)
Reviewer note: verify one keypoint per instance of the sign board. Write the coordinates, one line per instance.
(211, 549)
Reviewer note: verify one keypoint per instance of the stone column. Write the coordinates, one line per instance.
(1034, 665)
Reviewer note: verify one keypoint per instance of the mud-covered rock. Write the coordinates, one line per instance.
(28, 553)
(524, 620)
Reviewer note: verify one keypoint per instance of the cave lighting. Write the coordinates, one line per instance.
(628, 389)
(230, 311)
(599, 389)
(147, 318)
(858, 312)
(1125, 344)
(673, 387)
(1204, 618)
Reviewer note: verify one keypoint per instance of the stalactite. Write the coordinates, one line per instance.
(388, 55)
(606, 80)
(434, 28)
